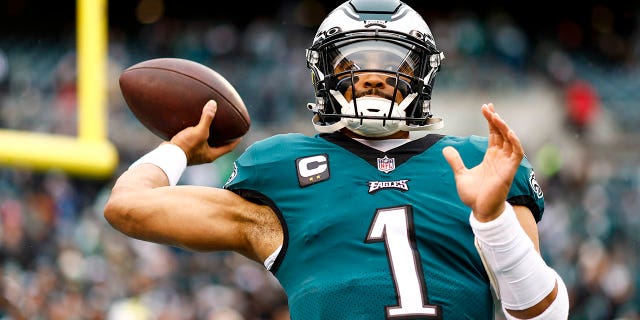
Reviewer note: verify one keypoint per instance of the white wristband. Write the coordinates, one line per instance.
(521, 275)
(557, 310)
(168, 157)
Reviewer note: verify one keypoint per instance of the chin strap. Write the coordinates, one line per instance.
(327, 128)
(431, 123)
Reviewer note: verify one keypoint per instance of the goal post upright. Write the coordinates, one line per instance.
(90, 153)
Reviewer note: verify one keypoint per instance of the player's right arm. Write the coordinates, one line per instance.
(143, 205)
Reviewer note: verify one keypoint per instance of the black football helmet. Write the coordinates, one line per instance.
(383, 37)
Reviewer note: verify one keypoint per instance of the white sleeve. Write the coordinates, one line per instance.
(519, 275)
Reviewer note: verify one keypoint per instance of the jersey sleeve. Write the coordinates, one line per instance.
(525, 190)
(263, 169)
(243, 179)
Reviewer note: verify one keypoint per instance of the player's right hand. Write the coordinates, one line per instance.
(193, 140)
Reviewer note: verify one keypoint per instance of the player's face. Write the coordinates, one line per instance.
(375, 73)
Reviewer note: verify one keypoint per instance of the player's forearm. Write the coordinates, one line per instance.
(537, 309)
(527, 287)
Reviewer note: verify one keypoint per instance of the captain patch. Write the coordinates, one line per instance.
(312, 169)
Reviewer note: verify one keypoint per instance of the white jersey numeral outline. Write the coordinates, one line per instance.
(395, 227)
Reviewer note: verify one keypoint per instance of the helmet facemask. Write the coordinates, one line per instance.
(390, 75)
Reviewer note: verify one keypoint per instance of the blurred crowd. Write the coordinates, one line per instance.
(59, 259)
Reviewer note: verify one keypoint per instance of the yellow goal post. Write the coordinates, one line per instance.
(90, 153)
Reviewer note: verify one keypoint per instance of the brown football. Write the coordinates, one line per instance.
(167, 95)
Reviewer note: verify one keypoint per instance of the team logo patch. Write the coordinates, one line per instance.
(233, 175)
(386, 164)
(535, 186)
(375, 186)
(312, 169)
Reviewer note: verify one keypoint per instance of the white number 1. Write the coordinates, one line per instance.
(394, 226)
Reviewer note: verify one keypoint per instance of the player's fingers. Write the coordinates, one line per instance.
(495, 136)
(511, 143)
(208, 113)
(500, 134)
(502, 131)
(488, 111)
(453, 158)
(518, 150)
(497, 122)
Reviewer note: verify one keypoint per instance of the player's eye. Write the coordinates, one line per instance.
(346, 65)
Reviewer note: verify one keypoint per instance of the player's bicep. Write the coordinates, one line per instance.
(191, 217)
(206, 219)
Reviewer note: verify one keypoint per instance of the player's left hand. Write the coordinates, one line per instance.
(485, 187)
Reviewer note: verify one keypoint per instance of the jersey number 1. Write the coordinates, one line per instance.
(394, 226)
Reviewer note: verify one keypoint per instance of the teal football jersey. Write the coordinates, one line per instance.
(371, 234)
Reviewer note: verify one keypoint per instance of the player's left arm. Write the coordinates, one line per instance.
(528, 224)
(507, 236)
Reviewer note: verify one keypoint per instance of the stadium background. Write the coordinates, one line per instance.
(566, 77)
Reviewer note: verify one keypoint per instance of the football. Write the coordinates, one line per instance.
(167, 95)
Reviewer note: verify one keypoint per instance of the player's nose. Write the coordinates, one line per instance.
(373, 81)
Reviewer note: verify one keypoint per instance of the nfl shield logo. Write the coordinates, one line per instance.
(386, 164)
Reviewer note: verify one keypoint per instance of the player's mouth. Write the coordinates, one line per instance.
(374, 93)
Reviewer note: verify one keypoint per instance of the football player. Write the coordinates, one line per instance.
(362, 221)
